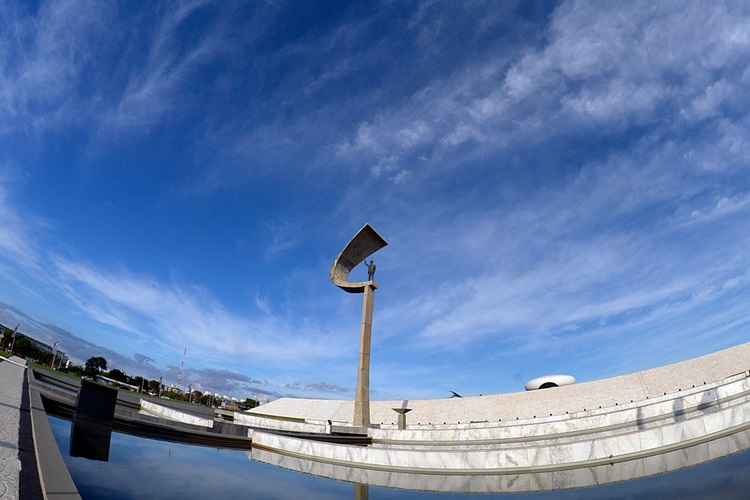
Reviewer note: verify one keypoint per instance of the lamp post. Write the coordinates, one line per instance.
(54, 355)
(13, 343)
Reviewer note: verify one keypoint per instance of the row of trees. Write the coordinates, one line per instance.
(98, 365)
(6, 338)
(23, 347)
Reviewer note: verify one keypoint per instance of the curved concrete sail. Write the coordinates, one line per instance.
(366, 242)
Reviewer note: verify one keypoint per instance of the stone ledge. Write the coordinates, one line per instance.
(54, 477)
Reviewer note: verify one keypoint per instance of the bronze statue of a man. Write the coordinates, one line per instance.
(371, 270)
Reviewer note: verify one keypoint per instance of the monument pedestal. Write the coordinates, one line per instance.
(362, 396)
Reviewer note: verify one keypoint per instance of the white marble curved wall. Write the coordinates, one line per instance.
(279, 425)
(631, 414)
(620, 390)
(587, 449)
(155, 410)
(560, 479)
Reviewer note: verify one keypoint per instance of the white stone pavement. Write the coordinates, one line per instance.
(11, 386)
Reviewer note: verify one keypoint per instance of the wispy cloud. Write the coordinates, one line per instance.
(190, 315)
(157, 87)
(284, 236)
(559, 263)
(317, 387)
(552, 180)
(596, 73)
(15, 240)
(43, 53)
(723, 207)
(58, 72)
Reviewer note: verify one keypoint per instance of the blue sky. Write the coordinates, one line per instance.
(565, 187)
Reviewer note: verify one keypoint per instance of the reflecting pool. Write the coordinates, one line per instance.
(141, 468)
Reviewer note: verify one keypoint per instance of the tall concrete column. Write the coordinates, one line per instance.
(362, 395)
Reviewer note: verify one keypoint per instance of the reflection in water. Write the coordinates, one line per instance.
(90, 440)
(145, 468)
(361, 492)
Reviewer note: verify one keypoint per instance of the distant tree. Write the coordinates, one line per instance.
(95, 364)
(196, 396)
(137, 381)
(153, 386)
(249, 403)
(208, 399)
(175, 395)
(7, 339)
(24, 347)
(74, 369)
(118, 375)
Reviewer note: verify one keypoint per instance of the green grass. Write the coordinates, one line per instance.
(46, 369)
(5, 354)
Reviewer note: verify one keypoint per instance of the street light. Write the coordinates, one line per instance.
(13, 344)
(54, 355)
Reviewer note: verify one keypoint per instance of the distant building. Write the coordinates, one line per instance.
(175, 388)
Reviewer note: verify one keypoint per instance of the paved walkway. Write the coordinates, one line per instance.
(11, 396)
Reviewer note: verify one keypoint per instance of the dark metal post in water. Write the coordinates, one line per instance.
(92, 421)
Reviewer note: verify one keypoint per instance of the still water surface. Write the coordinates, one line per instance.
(140, 468)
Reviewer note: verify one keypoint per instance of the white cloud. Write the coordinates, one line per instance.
(284, 236)
(617, 243)
(722, 207)
(52, 62)
(602, 247)
(155, 89)
(42, 56)
(602, 68)
(189, 315)
(15, 240)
